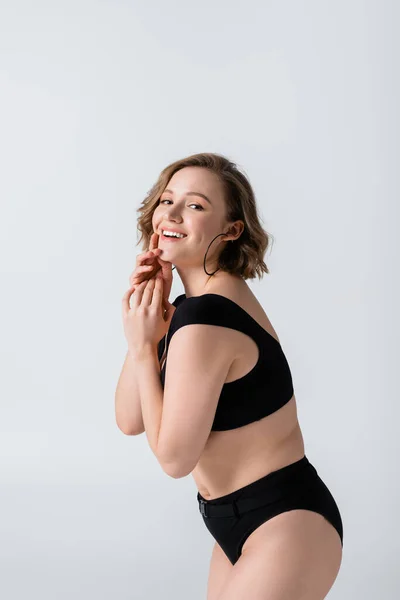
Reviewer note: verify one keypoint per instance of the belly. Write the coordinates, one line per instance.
(234, 458)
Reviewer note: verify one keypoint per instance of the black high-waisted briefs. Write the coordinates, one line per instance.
(232, 518)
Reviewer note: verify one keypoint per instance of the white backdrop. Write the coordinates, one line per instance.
(96, 98)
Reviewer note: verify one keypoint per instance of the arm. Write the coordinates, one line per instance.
(199, 358)
(151, 396)
(128, 410)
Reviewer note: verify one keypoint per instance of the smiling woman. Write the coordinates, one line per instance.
(216, 390)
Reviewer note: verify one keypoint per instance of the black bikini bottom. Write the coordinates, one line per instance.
(232, 518)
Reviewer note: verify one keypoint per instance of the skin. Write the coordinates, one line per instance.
(295, 555)
(201, 222)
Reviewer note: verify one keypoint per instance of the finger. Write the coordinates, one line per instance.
(149, 257)
(140, 274)
(137, 296)
(165, 271)
(139, 270)
(157, 299)
(166, 267)
(147, 292)
(156, 241)
(144, 256)
(163, 263)
(126, 300)
(153, 241)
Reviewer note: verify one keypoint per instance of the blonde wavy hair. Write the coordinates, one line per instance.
(244, 256)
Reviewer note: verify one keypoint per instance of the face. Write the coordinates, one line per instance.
(181, 209)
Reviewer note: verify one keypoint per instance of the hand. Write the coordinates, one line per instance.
(148, 264)
(145, 323)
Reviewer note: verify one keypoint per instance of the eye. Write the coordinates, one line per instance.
(192, 204)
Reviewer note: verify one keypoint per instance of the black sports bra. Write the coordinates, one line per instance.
(264, 389)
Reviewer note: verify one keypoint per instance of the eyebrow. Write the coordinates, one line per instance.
(190, 194)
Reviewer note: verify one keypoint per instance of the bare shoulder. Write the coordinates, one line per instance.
(204, 342)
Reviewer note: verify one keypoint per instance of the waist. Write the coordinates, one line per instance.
(222, 476)
(283, 478)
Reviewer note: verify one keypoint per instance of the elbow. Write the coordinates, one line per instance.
(174, 473)
(129, 430)
(176, 470)
(172, 461)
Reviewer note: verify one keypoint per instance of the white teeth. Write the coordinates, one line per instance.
(172, 234)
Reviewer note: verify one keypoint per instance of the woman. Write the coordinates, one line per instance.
(207, 380)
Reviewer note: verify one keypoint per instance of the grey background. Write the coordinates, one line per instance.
(96, 98)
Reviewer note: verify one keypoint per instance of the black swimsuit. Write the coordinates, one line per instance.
(263, 390)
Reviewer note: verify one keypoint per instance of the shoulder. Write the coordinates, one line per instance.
(208, 309)
(199, 330)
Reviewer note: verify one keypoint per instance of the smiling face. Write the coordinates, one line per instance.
(192, 203)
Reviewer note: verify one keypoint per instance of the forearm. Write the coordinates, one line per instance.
(128, 410)
(147, 370)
